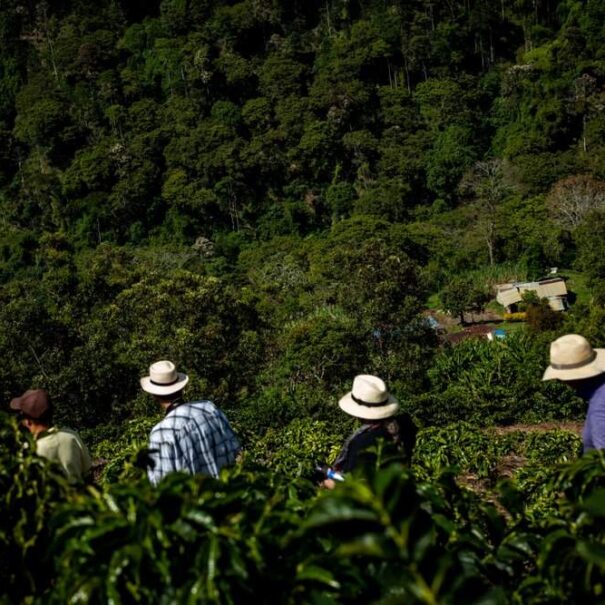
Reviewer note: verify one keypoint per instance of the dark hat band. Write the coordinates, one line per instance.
(368, 403)
(574, 366)
(165, 384)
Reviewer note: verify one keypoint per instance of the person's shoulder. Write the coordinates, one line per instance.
(192, 409)
(65, 434)
(365, 434)
(66, 431)
(53, 434)
(183, 415)
(202, 404)
(203, 409)
(599, 390)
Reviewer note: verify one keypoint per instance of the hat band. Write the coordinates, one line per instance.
(368, 403)
(164, 384)
(574, 366)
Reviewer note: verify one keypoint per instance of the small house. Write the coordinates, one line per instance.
(551, 288)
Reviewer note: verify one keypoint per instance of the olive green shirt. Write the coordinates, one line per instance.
(65, 447)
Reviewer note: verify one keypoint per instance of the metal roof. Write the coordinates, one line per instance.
(508, 297)
(552, 287)
(510, 294)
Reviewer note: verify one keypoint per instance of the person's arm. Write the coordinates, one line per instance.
(68, 452)
(226, 443)
(597, 425)
(163, 457)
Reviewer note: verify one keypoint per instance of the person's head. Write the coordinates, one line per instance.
(369, 400)
(574, 361)
(35, 410)
(164, 382)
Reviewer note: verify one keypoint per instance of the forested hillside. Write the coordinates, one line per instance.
(272, 193)
(268, 192)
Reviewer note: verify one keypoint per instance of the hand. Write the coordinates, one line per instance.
(328, 484)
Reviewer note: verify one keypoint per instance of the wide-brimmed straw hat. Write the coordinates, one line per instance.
(163, 379)
(572, 358)
(369, 399)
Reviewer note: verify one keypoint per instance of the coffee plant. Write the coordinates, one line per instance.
(388, 534)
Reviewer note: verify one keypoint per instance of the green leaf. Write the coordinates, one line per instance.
(334, 510)
(369, 545)
(595, 503)
(592, 552)
(313, 573)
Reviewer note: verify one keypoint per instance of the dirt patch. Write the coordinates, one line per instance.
(507, 465)
(573, 427)
(473, 482)
(447, 321)
(476, 325)
(474, 331)
(483, 317)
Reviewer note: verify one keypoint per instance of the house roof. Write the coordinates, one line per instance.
(510, 294)
(552, 287)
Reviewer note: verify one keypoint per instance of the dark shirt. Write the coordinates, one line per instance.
(355, 449)
(593, 434)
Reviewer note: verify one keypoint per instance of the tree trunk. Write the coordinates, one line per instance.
(490, 248)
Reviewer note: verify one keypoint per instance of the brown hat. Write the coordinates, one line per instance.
(34, 403)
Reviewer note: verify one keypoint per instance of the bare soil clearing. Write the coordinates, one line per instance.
(574, 427)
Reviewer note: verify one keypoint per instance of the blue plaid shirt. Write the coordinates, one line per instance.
(193, 437)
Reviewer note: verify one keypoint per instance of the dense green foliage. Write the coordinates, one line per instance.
(268, 192)
(494, 382)
(383, 535)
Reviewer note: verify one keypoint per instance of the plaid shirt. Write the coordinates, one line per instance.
(193, 437)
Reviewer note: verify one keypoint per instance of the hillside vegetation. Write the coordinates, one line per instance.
(268, 192)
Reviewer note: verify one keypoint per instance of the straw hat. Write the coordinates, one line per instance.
(163, 379)
(369, 399)
(572, 358)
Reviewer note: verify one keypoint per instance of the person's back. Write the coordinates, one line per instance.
(398, 434)
(65, 447)
(592, 391)
(194, 437)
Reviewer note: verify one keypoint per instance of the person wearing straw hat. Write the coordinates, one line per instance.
(193, 437)
(370, 402)
(59, 445)
(574, 361)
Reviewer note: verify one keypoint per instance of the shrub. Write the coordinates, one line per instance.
(30, 490)
(519, 316)
(540, 317)
(294, 450)
(493, 383)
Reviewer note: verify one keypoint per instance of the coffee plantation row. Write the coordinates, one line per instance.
(265, 533)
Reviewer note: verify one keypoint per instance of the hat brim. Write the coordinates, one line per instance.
(15, 403)
(156, 389)
(366, 412)
(594, 368)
